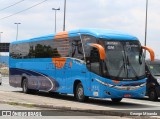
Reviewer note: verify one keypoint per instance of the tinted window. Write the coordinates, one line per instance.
(95, 61)
(76, 49)
(61, 47)
(41, 49)
(88, 39)
(19, 50)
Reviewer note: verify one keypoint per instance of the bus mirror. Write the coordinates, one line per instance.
(100, 49)
(150, 51)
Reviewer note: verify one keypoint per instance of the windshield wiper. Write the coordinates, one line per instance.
(129, 64)
(120, 70)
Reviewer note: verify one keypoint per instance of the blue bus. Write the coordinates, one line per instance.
(96, 63)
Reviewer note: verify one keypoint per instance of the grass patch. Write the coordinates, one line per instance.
(4, 72)
(21, 104)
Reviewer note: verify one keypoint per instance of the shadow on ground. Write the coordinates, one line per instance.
(99, 102)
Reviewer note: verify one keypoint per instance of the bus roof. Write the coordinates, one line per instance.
(99, 33)
(106, 33)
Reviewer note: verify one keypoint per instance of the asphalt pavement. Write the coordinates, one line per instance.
(19, 112)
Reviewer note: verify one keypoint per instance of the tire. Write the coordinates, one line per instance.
(79, 94)
(152, 95)
(25, 86)
(0, 83)
(116, 100)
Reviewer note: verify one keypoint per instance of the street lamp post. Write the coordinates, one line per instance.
(64, 21)
(145, 40)
(55, 16)
(146, 23)
(17, 30)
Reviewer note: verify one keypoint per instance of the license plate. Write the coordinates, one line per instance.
(127, 95)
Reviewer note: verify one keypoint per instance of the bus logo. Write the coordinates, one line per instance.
(59, 62)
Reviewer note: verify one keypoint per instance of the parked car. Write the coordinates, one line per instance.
(153, 81)
(0, 79)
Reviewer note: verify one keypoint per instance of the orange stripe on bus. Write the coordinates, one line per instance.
(63, 34)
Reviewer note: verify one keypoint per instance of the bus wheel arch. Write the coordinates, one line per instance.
(79, 91)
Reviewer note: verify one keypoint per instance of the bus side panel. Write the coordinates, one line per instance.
(40, 74)
(77, 71)
(88, 91)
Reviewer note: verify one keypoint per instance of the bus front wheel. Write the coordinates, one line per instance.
(116, 100)
(79, 94)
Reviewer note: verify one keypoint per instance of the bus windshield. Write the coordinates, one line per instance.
(124, 60)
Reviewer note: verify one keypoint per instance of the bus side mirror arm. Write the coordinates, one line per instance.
(152, 56)
(101, 50)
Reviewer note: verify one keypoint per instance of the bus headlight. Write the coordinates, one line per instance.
(144, 84)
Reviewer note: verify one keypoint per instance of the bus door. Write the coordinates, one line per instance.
(75, 68)
(93, 65)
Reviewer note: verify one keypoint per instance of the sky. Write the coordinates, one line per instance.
(123, 15)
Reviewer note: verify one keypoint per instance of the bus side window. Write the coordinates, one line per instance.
(95, 61)
(76, 49)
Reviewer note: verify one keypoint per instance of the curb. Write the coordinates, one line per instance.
(65, 108)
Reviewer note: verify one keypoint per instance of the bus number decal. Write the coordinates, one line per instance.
(59, 62)
(110, 47)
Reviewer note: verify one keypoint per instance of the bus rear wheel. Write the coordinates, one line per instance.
(79, 94)
(116, 100)
(25, 86)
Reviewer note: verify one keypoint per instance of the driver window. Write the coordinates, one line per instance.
(95, 61)
(76, 49)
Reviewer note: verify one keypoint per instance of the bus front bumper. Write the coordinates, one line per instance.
(112, 91)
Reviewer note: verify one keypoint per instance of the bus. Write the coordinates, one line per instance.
(96, 63)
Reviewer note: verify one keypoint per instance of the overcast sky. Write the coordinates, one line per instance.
(123, 15)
